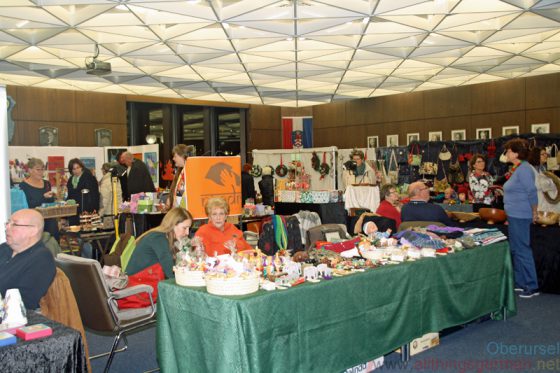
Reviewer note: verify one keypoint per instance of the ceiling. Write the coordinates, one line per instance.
(285, 53)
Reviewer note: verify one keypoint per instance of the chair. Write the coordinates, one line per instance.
(97, 303)
(321, 233)
(417, 223)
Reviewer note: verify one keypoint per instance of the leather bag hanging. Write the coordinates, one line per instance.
(455, 173)
(444, 154)
(414, 156)
(552, 160)
(441, 185)
(393, 171)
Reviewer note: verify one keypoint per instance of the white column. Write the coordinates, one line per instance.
(4, 170)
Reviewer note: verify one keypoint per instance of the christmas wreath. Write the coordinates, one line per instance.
(256, 170)
(324, 167)
(315, 162)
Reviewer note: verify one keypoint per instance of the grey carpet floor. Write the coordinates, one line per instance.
(530, 341)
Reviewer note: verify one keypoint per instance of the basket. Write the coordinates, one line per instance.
(232, 286)
(465, 216)
(184, 277)
(58, 211)
(547, 218)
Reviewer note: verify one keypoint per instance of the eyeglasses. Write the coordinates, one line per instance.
(14, 224)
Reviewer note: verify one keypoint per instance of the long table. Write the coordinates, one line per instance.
(331, 325)
(330, 213)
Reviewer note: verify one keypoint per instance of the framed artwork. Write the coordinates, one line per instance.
(483, 133)
(510, 130)
(392, 140)
(540, 128)
(410, 137)
(459, 135)
(372, 142)
(435, 136)
(48, 136)
(103, 137)
(113, 152)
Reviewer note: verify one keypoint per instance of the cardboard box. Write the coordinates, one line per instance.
(423, 343)
(370, 366)
(7, 339)
(34, 331)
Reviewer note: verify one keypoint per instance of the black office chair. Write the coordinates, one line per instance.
(97, 303)
(325, 232)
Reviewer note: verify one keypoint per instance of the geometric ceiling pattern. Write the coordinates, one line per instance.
(286, 53)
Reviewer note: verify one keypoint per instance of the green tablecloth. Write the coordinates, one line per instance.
(331, 325)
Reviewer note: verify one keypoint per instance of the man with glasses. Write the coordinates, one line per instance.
(25, 262)
(419, 208)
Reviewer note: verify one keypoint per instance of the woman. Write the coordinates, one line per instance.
(520, 202)
(247, 184)
(362, 174)
(218, 236)
(537, 158)
(82, 188)
(158, 245)
(177, 195)
(480, 181)
(38, 191)
(390, 206)
(266, 186)
(106, 192)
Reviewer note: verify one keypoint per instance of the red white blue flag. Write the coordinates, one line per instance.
(297, 132)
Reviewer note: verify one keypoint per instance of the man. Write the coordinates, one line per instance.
(418, 209)
(138, 177)
(25, 262)
(390, 206)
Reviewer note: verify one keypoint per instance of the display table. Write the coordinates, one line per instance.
(330, 213)
(361, 197)
(139, 223)
(63, 351)
(332, 325)
(100, 240)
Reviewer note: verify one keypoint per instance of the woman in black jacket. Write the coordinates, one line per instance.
(82, 188)
(266, 185)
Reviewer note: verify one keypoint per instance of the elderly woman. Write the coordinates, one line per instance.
(218, 236)
(362, 174)
(82, 188)
(177, 195)
(520, 202)
(106, 191)
(38, 191)
(537, 158)
(158, 245)
(480, 181)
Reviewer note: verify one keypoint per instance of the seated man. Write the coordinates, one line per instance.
(25, 263)
(390, 206)
(419, 209)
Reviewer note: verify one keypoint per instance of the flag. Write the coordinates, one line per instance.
(297, 132)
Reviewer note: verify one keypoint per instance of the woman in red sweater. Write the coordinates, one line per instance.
(390, 206)
(218, 236)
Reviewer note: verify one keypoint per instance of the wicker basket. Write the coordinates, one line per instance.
(185, 277)
(58, 211)
(232, 286)
(464, 216)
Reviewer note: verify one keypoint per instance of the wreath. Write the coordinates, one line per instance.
(315, 162)
(256, 170)
(281, 170)
(324, 170)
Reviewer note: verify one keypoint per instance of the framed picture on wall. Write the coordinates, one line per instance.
(510, 130)
(410, 137)
(372, 142)
(540, 128)
(459, 135)
(483, 133)
(48, 136)
(435, 136)
(392, 140)
(103, 137)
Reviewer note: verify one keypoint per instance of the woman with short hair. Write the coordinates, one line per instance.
(480, 181)
(178, 190)
(82, 188)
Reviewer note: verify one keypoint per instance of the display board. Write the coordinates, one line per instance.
(213, 177)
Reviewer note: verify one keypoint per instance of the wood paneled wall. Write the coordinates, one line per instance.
(514, 102)
(76, 114)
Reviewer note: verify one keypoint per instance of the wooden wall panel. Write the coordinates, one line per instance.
(406, 106)
(495, 97)
(27, 133)
(446, 125)
(265, 139)
(329, 115)
(448, 102)
(551, 116)
(264, 117)
(297, 112)
(496, 121)
(100, 108)
(45, 105)
(542, 91)
(364, 111)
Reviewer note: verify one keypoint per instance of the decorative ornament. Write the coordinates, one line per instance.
(324, 168)
(315, 162)
(281, 169)
(256, 171)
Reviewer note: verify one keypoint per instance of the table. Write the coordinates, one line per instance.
(332, 325)
(63, 351)
(140, 222)
(99, 240)
(330, 213)
(362, 196)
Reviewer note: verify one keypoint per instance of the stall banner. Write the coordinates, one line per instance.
(209, 177)
(297, 132)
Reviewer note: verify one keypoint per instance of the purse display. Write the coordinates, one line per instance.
(552, 160)
(444, 154)
(393, 174)
(414, 158)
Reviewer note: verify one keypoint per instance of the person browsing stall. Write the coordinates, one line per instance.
(390, 206)
(520, 204)
(480, 181)
(266, 186)
(177, 195)
(420, 209)
(106, 191)
(82, 188)
(247, 184)
(25, 262)
(137, 175)
(362, 173)
(218, 236)
(158, 245)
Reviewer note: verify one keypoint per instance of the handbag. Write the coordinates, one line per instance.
(444, 154)
(503, 158)
(414, 159)
(393, 174)
(148, 276)
(428, 168)
(491, 149)
(441, 185)
(455, 173)
(552, 160)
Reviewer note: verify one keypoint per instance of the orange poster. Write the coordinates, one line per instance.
(213, 177)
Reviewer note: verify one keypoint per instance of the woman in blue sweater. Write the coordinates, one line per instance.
(520, 203)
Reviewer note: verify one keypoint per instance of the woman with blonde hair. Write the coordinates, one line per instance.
(177, 195)
(158, 245)
(218, 236)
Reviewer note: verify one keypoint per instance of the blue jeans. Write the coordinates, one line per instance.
(525, 274)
